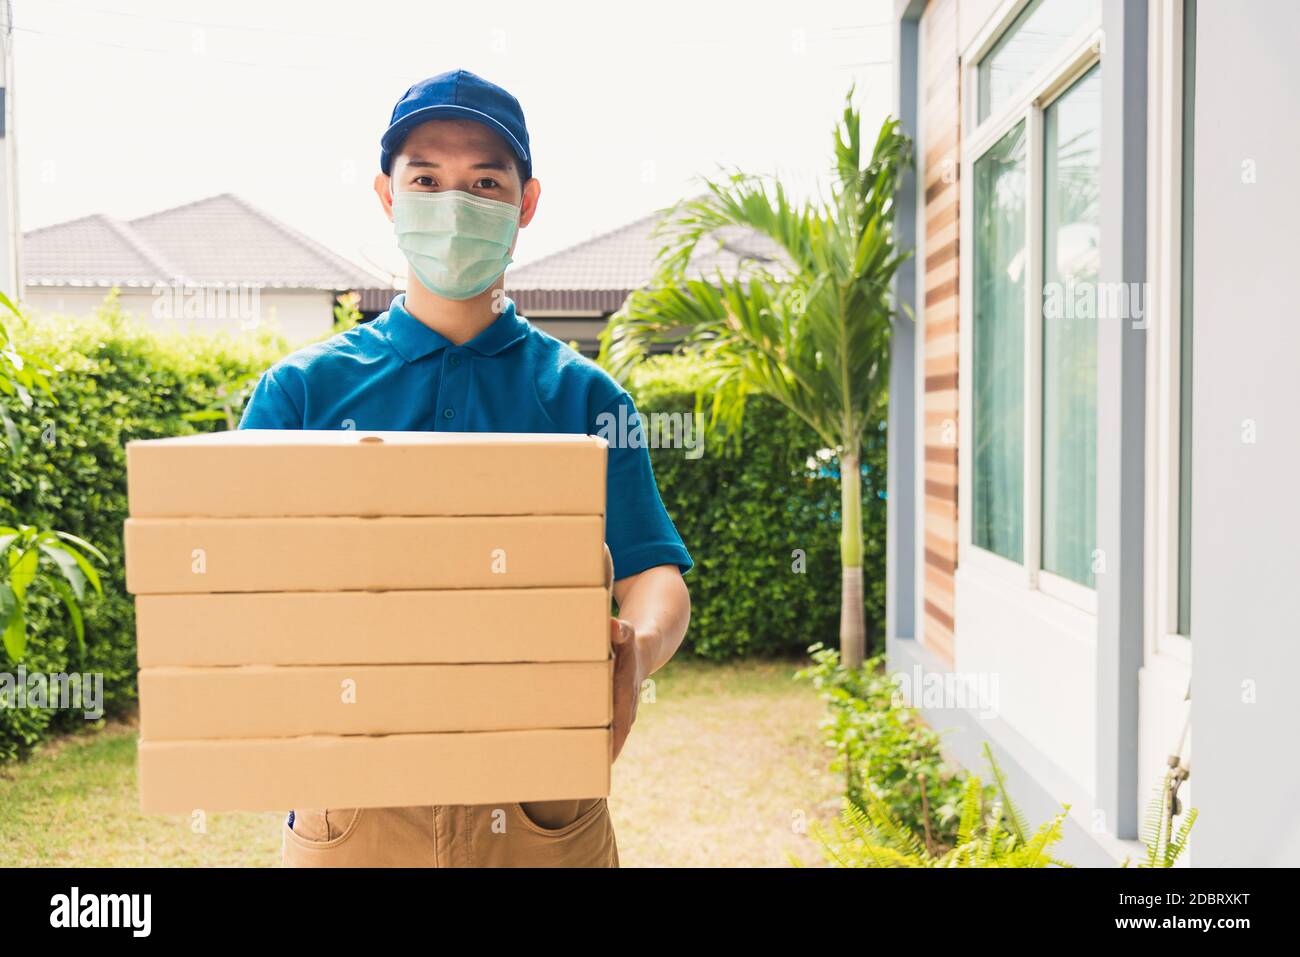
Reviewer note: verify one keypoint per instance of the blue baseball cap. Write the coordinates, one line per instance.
(457, 94)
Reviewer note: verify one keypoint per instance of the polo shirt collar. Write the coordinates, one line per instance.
(414, 340)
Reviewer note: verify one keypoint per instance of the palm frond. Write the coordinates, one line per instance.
(811, 332)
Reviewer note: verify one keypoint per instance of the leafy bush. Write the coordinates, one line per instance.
(888, 755)
(744, 513)
(904, 808)
(115, 381)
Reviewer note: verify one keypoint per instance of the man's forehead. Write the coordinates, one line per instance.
(455, 138)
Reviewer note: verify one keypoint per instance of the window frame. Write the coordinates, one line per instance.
(1163, 642)
(1056, 76)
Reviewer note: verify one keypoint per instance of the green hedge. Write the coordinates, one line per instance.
(742, 516)
(116, 382)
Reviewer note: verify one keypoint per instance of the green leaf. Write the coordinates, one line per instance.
(68, 566)
(204, 415)
(88, 569)
(15, 633)
(8, 601)
(7, 537)
(11, 431)
(22, 570)
(74, 612)
(82, 544)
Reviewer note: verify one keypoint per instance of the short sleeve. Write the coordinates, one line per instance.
(638, 530)
(270, 407)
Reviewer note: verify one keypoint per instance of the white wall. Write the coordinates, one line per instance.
(1043, 652)
(1245, 458)
(300, 315)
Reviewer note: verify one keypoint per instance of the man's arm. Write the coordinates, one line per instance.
(271, 407)
(654, 609)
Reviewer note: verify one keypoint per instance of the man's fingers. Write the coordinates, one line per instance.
(620, 632)
(622, 638)
(616, 745)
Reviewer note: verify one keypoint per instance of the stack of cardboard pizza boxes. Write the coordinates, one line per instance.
(369, 619)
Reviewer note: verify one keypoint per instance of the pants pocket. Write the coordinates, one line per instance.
(555, 818)
(368, 837)
(320, 837)
(322, 825)
(505, 836)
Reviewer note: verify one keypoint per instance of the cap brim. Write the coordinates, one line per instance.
(395, 134)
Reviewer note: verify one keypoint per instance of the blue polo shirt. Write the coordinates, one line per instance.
(396, 373)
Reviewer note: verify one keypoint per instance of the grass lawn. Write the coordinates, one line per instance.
(725, 768)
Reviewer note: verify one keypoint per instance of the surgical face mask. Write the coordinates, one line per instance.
(457, 243)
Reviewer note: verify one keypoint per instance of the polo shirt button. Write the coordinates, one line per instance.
(449, 413)
(455, 361)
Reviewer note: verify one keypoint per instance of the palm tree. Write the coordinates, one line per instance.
(811, 332)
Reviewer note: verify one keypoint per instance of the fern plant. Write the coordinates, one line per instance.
(1164, 845)
(989, 834)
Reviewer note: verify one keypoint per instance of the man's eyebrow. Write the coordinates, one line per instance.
(488, 164)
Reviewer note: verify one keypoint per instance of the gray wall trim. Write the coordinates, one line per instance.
(909, 9)
(1121, 417)
(900, 550)
(1037, 785)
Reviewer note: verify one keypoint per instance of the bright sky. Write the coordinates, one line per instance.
(126, 107)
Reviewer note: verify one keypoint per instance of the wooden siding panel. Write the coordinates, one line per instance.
(940, 284)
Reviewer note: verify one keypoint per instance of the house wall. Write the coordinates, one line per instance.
(1067, 726)
(940, 163)
(979, 619)
(1245, 516)
(567, 327)
(300, 314)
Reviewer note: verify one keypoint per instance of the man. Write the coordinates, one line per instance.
(452, 354)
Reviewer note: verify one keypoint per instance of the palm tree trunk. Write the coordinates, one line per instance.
(853, 627)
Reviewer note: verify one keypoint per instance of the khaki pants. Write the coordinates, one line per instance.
(547, 834)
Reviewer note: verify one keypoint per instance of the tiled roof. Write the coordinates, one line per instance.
(598, 274)
(221, 239)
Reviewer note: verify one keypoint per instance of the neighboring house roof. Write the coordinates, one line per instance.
(599, 273)
(221, 239)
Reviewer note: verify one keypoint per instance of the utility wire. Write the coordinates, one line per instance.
(300, 67)
(212, 25)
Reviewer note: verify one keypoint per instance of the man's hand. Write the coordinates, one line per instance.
(629, 672)
(654, 610)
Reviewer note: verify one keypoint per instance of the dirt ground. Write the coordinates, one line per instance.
(724, 768)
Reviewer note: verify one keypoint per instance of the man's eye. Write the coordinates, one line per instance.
(424, 181)
(486, 183)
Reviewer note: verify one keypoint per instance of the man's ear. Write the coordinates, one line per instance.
(382, 186)
(532, 192)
